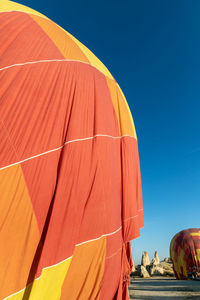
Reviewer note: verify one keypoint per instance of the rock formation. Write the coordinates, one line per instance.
(133, 267)
(142, 271)
(167, 260)
(167, 267)
(145, 259)
(155, 260)
(155, 268)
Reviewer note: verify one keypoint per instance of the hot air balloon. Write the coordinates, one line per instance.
(185, 253)
(70, 186)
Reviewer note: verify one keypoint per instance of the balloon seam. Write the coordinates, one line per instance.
(68, 142)
(53, 60)
(132, 217)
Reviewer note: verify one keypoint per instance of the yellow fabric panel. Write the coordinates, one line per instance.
(124, 117)
(61, 39)
(129, 112)
(83, 280)
(179, 261)
(195, 233)
(48, 286)
(10, 6)
(197, 257)
(19, 232)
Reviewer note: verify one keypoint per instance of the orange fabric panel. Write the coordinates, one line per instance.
(61, 39)
(126, 125)
(22, 40)
(19, 233)
(83, 279)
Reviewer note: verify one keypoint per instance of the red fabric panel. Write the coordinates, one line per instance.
(6, 149)
(114, 243)
(132, 213)
(112, 277)
(115, 285)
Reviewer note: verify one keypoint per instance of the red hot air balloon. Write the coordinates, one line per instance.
(185, 253)
(70, 188)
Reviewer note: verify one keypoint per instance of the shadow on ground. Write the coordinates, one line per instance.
(164, 288)
(164, 297)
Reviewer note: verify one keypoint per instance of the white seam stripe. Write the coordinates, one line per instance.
(35, 156)
(130, 218)
(45, 61)
(56, 264)
(69, 142)
(114, 253)
(107, 234)
(133, 216)
(14, 294)
(51, 60)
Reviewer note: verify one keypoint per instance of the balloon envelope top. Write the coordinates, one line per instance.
(70, 186)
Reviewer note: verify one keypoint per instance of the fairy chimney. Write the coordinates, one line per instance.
(155, 260)
(145, 259)
(133, 267)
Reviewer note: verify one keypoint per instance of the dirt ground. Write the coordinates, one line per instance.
(162, 288)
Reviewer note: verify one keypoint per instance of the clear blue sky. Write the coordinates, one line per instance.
(152, 48)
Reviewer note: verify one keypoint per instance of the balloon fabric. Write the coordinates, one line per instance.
(70, 186)
(185, 253)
